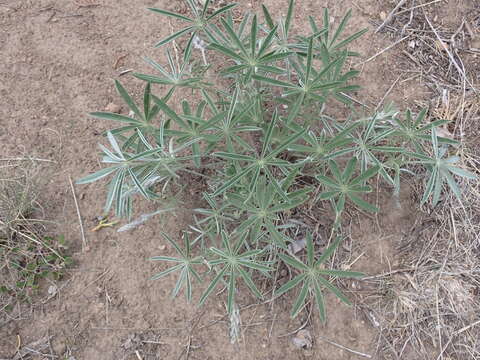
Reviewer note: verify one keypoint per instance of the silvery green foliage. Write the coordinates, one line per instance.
(256, 140)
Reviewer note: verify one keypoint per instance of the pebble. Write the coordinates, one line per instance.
(303, 340)
(52, 290)
(113, 108)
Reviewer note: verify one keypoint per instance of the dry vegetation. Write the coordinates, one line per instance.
(27, 254)
(428, 305)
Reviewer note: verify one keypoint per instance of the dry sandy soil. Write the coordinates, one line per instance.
(58, 59)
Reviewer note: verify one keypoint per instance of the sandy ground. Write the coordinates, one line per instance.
(58, 62)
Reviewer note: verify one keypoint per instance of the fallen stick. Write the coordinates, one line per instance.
(390, 16)
(381, 52)
(84, 241)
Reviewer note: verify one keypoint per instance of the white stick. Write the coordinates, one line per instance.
(390, 16)
(381, 52)
(26, 159)
(84, 241)
(345, 348)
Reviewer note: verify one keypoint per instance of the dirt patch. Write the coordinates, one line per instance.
(58, 62)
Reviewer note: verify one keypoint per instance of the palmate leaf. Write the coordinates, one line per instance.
(322, 147)
(282, 41)
(370, 145)
(177, 75)
(228, 133)
(215, 215)
(231, 263)
(416, 131)
(312, 85)
(192, 128)
(327, 45)
(195, 25)
(342, 185)
(441, 170)
(263, 208)
(185, 265)
(259, 163)
(251, 56)
(137, 122)
(312, 278)
(330, 43)
(135, 173)
(140, 120)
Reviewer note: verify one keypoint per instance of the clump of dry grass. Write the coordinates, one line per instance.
(17, 197)
(26, 253)
(428, 307)
(440, 57)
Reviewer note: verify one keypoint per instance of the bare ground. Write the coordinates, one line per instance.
(58, 62)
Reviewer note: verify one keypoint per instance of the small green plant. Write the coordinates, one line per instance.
(26, 255)
(258, 132)
(312, 277)
(184, 264)
(441, 169)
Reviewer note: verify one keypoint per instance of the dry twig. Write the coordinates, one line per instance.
(82, 232)
(390, 16)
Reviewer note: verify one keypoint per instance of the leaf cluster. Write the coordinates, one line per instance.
(256, 135)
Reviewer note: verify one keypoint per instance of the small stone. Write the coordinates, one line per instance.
(303, 340)
(283, 273)
(297, 245)
(383, 15)
(52, 290)
(113, 108)
(162, 247)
